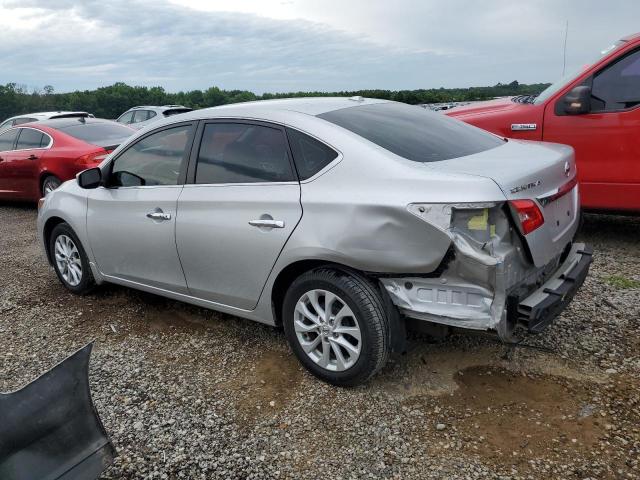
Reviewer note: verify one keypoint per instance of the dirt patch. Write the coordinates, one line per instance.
(270, 382)
(519, 416)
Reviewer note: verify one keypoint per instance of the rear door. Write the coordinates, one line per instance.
(236, 213)
(131, 221)
(606, 139)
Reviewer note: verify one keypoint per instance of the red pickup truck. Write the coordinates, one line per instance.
(595, 110)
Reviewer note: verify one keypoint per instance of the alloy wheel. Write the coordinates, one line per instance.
(327, 330)
(68, 260)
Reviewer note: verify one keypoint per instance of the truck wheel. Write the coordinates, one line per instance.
(336, 325)
(70, 260)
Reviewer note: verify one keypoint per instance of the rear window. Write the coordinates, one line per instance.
(101, 134)
(29, 139)
(413, 132)
(310, 155)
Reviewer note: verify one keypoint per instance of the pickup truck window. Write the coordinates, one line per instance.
(617, 86)
(566, 79)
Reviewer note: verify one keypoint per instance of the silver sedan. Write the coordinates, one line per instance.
(345, 220)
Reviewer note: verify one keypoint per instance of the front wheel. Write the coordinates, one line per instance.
(70, 260)
(337, 326)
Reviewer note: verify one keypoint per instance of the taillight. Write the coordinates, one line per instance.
(528, 213)
(92, 158)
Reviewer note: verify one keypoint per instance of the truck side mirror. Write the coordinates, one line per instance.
(578, 101)
(91, 178)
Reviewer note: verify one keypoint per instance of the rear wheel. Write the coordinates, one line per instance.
(49, 184)
(336, 325)
(70, 260)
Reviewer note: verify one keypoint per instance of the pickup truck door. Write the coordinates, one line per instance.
(606, 140)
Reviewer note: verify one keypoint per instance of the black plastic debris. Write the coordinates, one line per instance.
(50, 430)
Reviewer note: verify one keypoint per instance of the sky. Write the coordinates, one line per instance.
(302, 45)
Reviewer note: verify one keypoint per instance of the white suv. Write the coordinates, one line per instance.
(140, 117)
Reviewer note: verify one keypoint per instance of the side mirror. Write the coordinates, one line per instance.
(578, 101)
(91, 178)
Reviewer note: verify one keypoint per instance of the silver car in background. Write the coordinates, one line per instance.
(338, 218)
(140, 117)
(35, 117)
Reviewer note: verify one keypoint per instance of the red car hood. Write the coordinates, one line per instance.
(480, 108)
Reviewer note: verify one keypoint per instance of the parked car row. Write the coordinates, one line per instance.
(39, 151)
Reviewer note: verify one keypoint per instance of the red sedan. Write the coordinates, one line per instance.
(35, 158)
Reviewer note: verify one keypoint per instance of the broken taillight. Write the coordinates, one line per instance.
(528, 214)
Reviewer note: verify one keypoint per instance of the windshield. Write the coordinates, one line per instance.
(413, 132)
(554, 87)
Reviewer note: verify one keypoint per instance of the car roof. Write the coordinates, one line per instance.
(67, 122)
(306, 105)
(46, 115)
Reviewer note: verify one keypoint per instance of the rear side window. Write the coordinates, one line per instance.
(618, 86)
(29, 139)
(309, 155)
(101, 134)
(413, 132)
(141, 116)
(7, 140)
(154, 160)
(242, 153)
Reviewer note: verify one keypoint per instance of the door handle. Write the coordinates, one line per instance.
(267, 223)
(32, 157)
(159, 216)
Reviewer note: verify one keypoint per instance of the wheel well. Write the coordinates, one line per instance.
(46, 234)
(43, 176)
(286, 277)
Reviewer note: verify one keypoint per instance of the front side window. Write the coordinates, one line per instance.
(242, 153)
(413, 132)
(7, 140)
(309, 155)
(154, 160)
(7, 124)
(29, 139)
(618, 86)
(126, 118)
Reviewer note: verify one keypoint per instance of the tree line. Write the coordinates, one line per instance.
(113, 100)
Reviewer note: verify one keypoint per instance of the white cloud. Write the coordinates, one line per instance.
(282, 45)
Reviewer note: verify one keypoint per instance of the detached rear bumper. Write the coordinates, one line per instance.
(538, 310)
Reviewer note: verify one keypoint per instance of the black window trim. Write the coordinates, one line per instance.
(195, 151)
(20, 128)
(108, 168)
(588, 82)
(324, 169)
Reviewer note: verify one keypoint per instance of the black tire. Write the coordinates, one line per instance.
(50, 181)
(366, 303)
(87, 282)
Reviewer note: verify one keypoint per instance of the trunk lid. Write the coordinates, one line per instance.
(544, 172)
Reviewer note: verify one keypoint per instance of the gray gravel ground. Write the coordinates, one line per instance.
(188, 393)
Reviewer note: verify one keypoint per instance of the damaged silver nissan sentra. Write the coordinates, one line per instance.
(338, 218)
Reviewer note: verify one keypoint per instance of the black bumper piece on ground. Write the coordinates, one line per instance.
(540, 309)
(50, 430)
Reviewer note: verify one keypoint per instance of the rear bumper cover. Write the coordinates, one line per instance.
(538, 310)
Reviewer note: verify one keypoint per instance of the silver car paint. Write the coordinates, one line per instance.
(356, 213)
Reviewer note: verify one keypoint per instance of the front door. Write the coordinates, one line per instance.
(606, 139)
(131, 220)
(235, 216)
